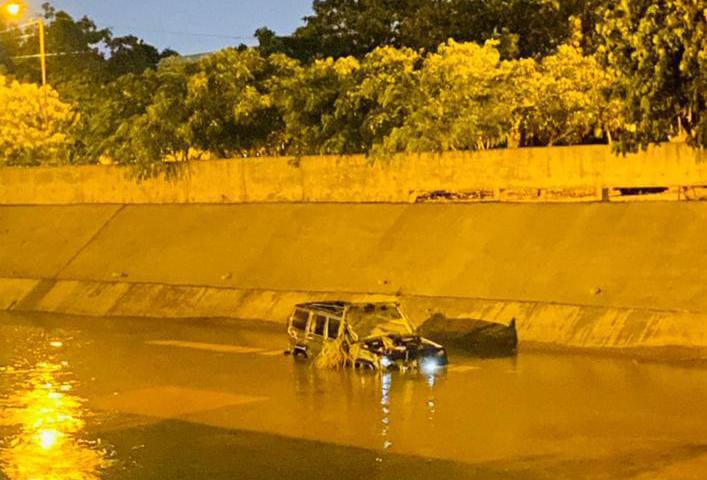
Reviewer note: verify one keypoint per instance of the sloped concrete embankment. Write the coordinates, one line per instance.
(589, 276)
(539, 324)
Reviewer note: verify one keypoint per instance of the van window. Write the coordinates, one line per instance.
(333, 328)
(319, 325)
(299, 319)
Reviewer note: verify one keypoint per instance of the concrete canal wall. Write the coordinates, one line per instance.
(577, 173)
(624, 275)
(520, 233)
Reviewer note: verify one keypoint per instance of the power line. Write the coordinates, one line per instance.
(59, 54)
(183, 33)
(168, 32)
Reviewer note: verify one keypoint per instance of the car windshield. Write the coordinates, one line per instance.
(377, 320)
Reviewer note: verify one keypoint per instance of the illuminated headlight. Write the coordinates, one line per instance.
(429, 365)
(386, 362)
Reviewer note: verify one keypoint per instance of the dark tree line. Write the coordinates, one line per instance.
(523, 28)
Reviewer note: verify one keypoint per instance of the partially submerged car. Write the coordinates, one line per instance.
(376, 336)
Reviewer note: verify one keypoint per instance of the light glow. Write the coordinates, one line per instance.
(47, 438)
(13, 9)
(429, 366)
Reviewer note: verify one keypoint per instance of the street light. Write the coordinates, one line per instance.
(14, 10)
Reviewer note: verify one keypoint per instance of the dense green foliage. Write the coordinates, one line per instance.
(34, 125)
(660, 48)
(237, 102)
(374, 77)
(218, 106)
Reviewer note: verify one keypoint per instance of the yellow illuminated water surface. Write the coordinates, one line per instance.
(87, 398)
(46, 420)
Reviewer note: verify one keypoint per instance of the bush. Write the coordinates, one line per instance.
(566, 100)
(459, 102)
(34, 125)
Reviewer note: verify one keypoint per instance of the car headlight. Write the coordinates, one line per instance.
(429, 365)
(386, 362)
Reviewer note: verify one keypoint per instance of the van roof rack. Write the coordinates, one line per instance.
(337, 307)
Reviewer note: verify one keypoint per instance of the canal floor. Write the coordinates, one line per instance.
(87, 398)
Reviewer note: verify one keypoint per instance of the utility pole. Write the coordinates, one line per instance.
(15, 9)
(42, 51)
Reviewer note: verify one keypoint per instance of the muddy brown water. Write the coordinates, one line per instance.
(87, 398)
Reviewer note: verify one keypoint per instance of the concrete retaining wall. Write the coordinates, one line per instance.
(637, 255)
(505, 174)
(538, 323)
(596, 275)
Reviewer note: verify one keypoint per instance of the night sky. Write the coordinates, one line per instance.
(195, 26)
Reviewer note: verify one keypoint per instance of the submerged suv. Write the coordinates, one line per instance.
(374, 336)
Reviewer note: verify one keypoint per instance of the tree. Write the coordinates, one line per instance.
(82, 62)
(301, 48)
(566, 100)
(107, 123)
(306, 97)
(130, 54)
(34, 125)
(458, 105)
(9, 41)
(157, 120)
(158, 140)
(379, 99)
(81, 57)
(350, 27)
(341, 28)
(140, 121)
(75, 63)
(231, 111)
(660, 49)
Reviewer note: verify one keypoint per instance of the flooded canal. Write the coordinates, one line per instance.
(84, 398)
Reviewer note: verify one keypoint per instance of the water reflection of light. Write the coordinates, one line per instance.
(386, 382)
(47, 438)
(431, 402)
(385, 390)
(46, 421)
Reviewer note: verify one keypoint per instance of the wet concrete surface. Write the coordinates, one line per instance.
(88, 398)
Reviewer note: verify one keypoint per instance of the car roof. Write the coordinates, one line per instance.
(335, 307)
(378, 319)
(338, 306)
(367, 319)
